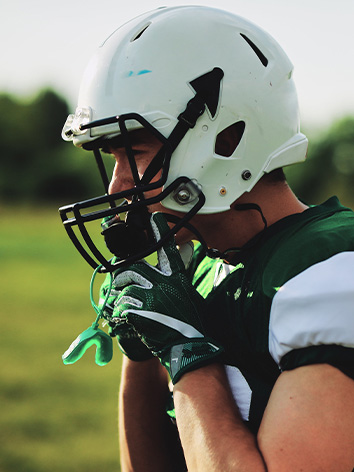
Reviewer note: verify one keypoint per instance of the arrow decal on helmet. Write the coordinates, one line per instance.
(208, 87)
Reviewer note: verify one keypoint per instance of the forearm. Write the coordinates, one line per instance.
(212, 432)
(145, 432)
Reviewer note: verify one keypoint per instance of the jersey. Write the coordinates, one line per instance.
(287, 301)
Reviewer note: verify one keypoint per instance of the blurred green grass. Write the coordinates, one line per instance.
(53, 417)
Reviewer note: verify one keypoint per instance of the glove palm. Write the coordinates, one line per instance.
(164, 308)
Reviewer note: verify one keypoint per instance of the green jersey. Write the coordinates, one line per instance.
(285, 302)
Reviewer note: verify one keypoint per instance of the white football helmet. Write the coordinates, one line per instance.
(187, 74)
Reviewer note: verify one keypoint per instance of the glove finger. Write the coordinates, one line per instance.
(132, 276)
(169, 259)
(131, 298)
(110, 302)
(126, 303)
(134, 349)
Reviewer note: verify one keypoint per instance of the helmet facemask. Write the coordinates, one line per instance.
(132, 238)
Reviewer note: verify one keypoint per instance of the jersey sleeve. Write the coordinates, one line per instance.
(312, 316)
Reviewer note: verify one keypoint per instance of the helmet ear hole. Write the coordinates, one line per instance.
(229, 138)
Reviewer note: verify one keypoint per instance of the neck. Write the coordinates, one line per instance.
(235, 228)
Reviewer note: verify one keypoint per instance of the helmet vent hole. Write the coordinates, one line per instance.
(228, 139)
(259, 53)
(140, 33)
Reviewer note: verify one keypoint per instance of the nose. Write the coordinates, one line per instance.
(121, 179)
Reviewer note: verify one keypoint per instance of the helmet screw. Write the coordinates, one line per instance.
(246, 175)
(183, 196)
(223, 191)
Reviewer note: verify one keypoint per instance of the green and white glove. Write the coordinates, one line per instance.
(128, 340)
(164, 308)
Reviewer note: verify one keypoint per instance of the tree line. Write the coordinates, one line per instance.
(37, 166)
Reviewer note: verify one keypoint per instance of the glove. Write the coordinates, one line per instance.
(128, 339)
(164, 308)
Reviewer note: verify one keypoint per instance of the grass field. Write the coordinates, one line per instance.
(53, 417)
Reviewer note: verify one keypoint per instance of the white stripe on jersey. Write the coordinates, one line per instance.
(315, 307)
(240, 390)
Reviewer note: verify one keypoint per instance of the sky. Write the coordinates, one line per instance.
(46, 43)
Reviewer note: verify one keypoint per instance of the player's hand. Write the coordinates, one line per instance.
(164, 308)
(128, 340)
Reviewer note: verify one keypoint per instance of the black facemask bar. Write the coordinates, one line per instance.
(80, 219)
(160, 162)
(78, 214)
(207, 89)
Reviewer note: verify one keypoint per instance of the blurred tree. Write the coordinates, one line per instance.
(329, 169)
(36, 165)
(48, 113)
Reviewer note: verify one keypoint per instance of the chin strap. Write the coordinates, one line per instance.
(207, 88)
(253, 241)
(215, 253)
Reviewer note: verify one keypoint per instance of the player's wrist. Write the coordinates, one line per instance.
(189, 355)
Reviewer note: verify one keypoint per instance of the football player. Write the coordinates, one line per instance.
(253, 323)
